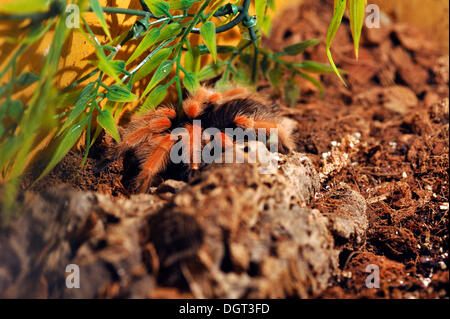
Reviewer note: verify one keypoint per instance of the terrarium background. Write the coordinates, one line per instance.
(432, 17)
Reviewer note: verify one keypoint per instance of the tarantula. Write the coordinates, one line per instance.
(149, 135)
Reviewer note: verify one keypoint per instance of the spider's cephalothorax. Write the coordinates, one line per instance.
(149, 135)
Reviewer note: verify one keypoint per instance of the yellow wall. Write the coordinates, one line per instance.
(432, 16)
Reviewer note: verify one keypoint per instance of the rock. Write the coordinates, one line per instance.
(399, 99)
(346, 213)
(234, 231)
(170, 186)
(248, 217)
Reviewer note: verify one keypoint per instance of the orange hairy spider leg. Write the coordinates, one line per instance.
(244, 122)
(226, 140)
(190, 128)
(284, 136)
(164, 111)
(232, 92)
(192, 109)
(155, 162)
(160, 124)
(139, 135)
(216, 97)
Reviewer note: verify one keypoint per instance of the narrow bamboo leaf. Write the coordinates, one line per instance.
(210, 71)
(111, 68)
(150, 38)
(314, 81)
(190, 82)
(152, 64)
(65, 145)
(15, 109)
(197, 59)
(159, 8)
(243, 76)
(208, 33)
(160, 74)
(315, 67)
(189, 60)
(106, 120)
(97, 8)
(275, 75)
(291, 92)
(181, 4)
(357, 12)
(34, 35)
(169, 31)
(118, 93)
(67, 99)
(266, 24)
(25, 6)
(260, 8)
(339, 9)
(80, 106)
(156, 96)
(265, 65)
(298, 48)
(27, 78)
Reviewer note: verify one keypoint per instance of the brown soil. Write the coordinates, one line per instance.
(386, 137)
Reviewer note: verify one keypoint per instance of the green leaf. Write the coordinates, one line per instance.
(35, 34)
(189, 61)
(152, 63)
(112, 68)
(97, 8)
(169, 31)
(181, 4)
(190, 82)
(65, 145)
(291, 92)
(265, 65)
(275, 75)
(298, 48)
(118, 93)
(27, 78)
(25, 6)
(150, 38)
(67, 99)
(210, 71)
(357, 12)
(208, 33)
(106, 120)
(160, 74)
(80, 106)
(155, 97)
(314, 81)
(266, 24)
(260, 8)
(158, 7)
(15, 109)
(339, 9)
(315, 67)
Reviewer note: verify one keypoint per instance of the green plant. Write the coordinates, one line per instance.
(173, 60)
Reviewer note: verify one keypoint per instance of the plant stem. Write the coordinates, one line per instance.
(134, 12)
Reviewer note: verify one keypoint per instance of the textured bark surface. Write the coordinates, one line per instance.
(231, 232)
